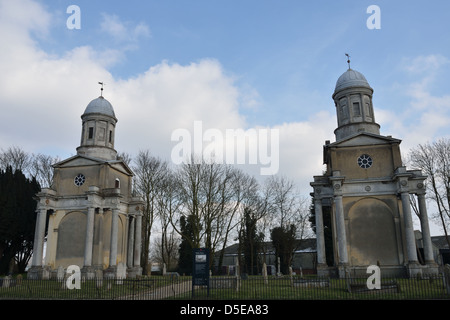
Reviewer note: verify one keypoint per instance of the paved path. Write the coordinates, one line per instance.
(160, 293)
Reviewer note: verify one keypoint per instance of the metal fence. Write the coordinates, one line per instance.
(227, 288)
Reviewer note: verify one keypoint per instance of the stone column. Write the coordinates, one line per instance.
(427, 246)
(320, 239)
(409, 228)
(130, 249)
(341, 234)
(114, 237)
(89, 237)
(137, 241)
(39, 235)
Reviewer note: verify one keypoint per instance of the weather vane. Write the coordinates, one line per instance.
(348, 60)
(101, 90)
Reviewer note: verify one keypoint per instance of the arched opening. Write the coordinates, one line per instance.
(372, 234)
(71, 239)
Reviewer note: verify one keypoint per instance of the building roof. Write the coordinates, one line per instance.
(100, 105)
(440, 242)
(84, 160)
(302, 245)
(351, 78)
(367, 137)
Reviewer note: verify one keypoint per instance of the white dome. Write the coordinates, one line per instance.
(351, 78)
(100, 105)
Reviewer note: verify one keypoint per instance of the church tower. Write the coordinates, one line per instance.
(362, 202)
(94, 221)
(353, 100)
(98, 129)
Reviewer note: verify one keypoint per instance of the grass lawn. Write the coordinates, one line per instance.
(337, 289)
(90, 289)
(253, 288)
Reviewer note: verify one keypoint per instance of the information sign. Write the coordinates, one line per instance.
(200, 268)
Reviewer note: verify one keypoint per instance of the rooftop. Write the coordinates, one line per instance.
(351, 78)
(100, 105)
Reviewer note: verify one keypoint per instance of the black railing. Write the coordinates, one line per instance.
(227, 288)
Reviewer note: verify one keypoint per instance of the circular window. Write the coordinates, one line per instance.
(79, 180)
(365, 161)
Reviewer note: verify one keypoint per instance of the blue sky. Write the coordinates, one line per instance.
(289, 52)
(231, 64)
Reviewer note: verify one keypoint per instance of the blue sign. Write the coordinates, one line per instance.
(200, 268)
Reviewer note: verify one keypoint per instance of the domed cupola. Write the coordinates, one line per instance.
(101, 106)
(351, 78)
(353, 100)
(98, 128)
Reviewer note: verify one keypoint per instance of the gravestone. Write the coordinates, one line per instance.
(99, 278)
(60, 273)
(19, 279)
(6, 282)
(264, 273)
(279, 274)
(121, 273)
(64, 281)
(238, 277)
(224, 283)
(291, 275)
(447, 277)
(311, 283)
(45, 274)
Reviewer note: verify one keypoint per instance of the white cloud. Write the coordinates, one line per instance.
(45, 95)
(171, 96)
(301, 147)
(23, 16)
(123, 32)
(424, 64)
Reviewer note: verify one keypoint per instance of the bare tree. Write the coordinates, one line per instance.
(41, 167)
(288, 215)
(237, 189)
(434, 160)
(166, 248)
(188, 178)
(166, 252)
(285, 205)
(149, 176)
(211, 194)
(16, 158)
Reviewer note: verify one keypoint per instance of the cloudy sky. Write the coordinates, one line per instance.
(251, 65)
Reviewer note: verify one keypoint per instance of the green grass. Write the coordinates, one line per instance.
(282, 289)
(254, 288)
(90, 289)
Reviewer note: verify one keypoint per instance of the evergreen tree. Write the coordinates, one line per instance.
(283, 240)
(250, 242)
(17, 219)
(186, 245)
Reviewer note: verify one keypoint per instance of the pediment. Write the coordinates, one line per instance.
(364, 139)
(79, 161)
(121, 166)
